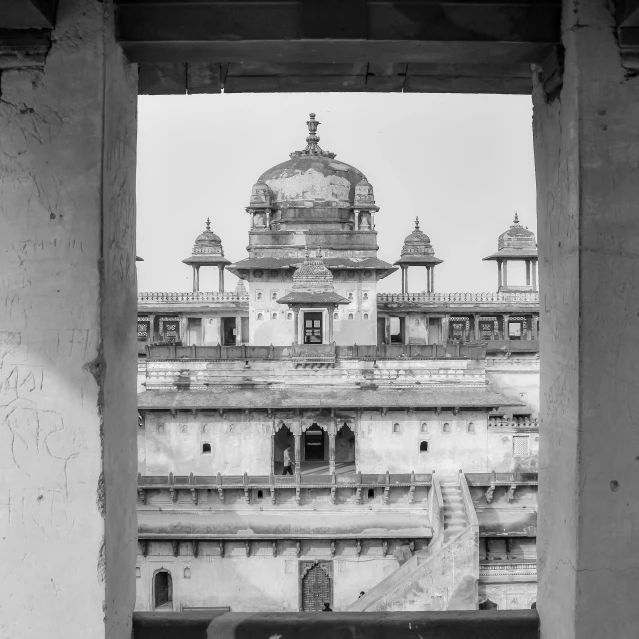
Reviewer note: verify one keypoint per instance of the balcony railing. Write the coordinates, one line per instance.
(329, 352)
(470, 298)
(505, 479)
(201, 296)
(382, 298)
(355, 481)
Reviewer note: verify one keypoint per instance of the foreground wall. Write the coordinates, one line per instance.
(67, 340)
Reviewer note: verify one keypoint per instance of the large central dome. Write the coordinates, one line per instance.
(312, 187)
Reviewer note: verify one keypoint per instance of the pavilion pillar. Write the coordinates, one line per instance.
(476, 335)
(527, 272)
(586, 155)
(356, 220)
(499, 275)
(403, 279)
(221, 277)
(534, 275)
(505, 323)
(196, 278)
(296, 325)
(432, 278)
(406, 278)
(68, 349)
(238, 330)
(332, 431)
(505, 274)
(330, 325)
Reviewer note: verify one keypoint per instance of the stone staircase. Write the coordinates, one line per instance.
(455, 518)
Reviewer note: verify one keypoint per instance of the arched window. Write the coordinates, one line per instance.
(289, 316)
(417, 322)
(365, 296)
(274, 316)
(206, 448)
(423, 447)
(365, 316)
(471, 427)
(350, 316)
(187, 572)
(335, 315)
(397, 428)
(259, 295)
(163, 590)
(260, 494)
(446, 428)
(260, 316)
(138, 572)
(350, 297)
(424, 428)
(371, 493)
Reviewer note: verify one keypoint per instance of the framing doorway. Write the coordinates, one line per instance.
(316, 585)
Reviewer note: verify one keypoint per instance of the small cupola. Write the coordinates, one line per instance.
(207, 251)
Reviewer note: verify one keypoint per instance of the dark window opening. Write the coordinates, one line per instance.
(314, 444)
(488, 605)
(163, 587)
(206, 448)
(371, 493)
(397, 330)
(423, 447)
(260, 494)
(312, 328)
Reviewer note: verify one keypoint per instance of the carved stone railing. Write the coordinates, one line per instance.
(515, 423)
(271, 483)
(502, 479)
(447, 298)
(324, 353)
(201, 296)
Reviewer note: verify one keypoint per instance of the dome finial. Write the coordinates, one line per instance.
(516, 220)
(312, 141)
(208, 223)
(417, 223)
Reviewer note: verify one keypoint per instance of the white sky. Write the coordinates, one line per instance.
(463, 164)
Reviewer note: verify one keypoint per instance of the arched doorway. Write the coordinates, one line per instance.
(345, 450)
(281, 439)
(314, 450)
(162, 590)
(317, 585)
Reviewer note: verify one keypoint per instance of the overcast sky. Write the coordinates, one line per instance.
(463, 164)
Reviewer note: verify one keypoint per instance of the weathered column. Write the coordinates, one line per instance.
(196, 278)
(68, 335)
(332, 431)
(238, 330)
(499, 275)
(356, 217)
(330, 325)
(296, 325)
(406, 278)
(403, 279)
(586, 157)
(445, 324)
(427, 278)
(432, 278)
(505, 322)
(221, 282)
(527, 272)
(534, 275)
(505, 273)
(477, 336)
(151, 327)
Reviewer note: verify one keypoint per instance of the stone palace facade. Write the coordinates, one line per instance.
(412, 418)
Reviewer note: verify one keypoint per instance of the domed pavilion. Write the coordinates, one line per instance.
(207, 251)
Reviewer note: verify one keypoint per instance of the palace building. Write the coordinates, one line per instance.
(412, 418)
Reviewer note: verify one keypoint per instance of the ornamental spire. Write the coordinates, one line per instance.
(516, 220)
(208, 224)
(312, 141)
(417, 223)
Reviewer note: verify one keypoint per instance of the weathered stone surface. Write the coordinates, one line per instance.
(67, 348)
(587, 156)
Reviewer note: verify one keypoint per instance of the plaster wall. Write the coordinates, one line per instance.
(277, 325)
(261, 582)
(67, 351)
(240, 444)
(176, 446)
(586, 151)
(516, 378)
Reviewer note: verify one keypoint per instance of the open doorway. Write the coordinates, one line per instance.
(282, 438)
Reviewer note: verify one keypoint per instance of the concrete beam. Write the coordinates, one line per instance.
(25, 48)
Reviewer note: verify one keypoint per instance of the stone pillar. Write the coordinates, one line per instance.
(586, 158)
(499, 275)
(221, 282)
(372, 220)
(427, 278)
(445, 321)
(330, 325)
(403, 269)
(534, 275)
(332, 432)
(151, 327)
(432, 278)
(527, 272)
(296, 325)
(406, 327)
(68, 410)
(196, 278)
(298, 438)
(505, 320)
(356, 218)
(505, 274)
(406, 278)
(477, 336)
